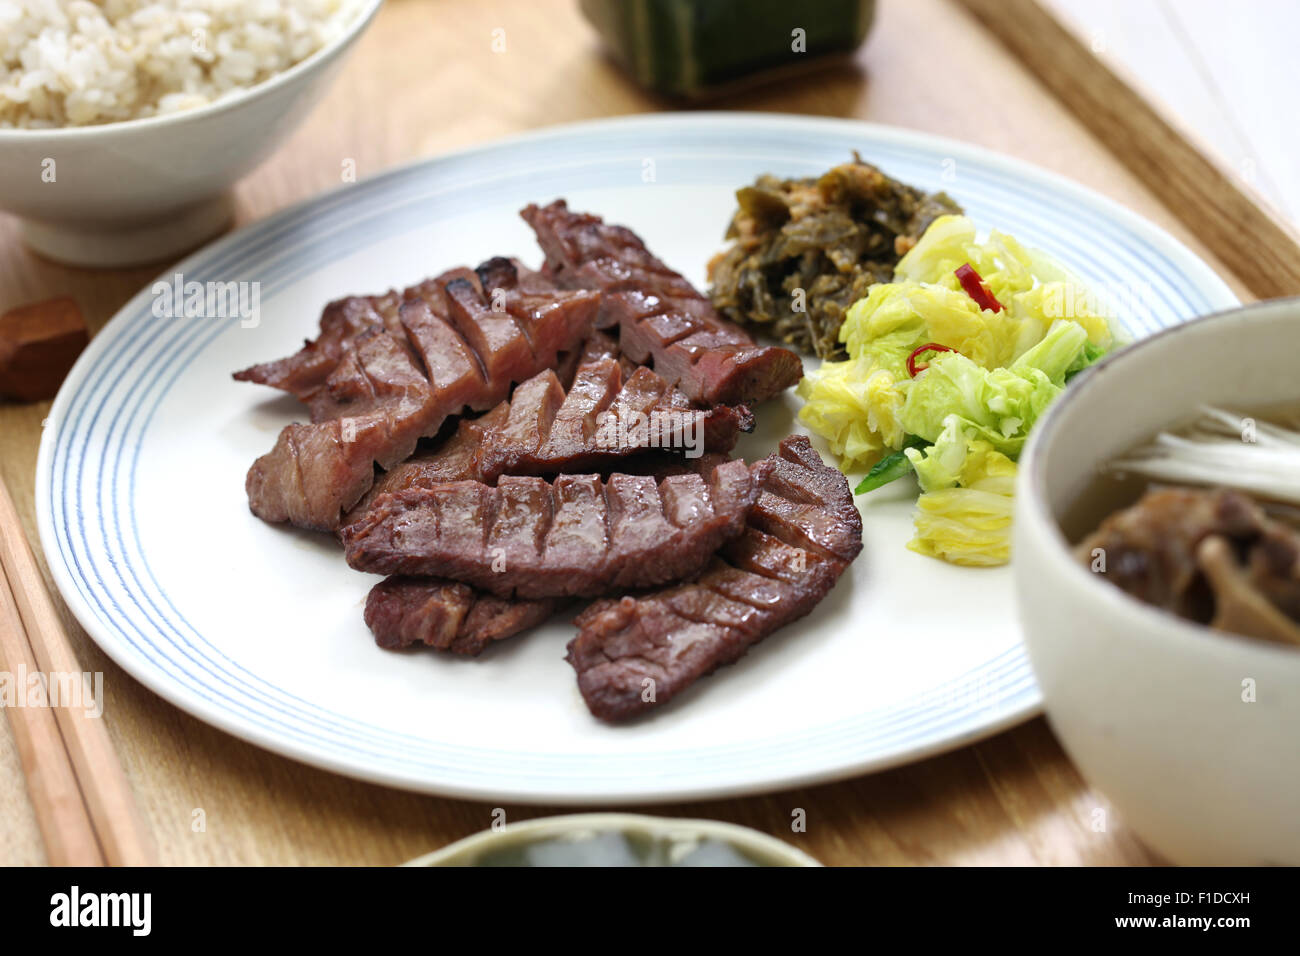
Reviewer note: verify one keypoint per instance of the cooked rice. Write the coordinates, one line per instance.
(78, 62)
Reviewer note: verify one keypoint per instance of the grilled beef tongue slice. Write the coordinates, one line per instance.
(636, 653)
(445, 615)
(454, 617)
(602, 422)
(346, 321)
(605, 416)
(402, 611)
(662, 319)
(461, 347)
(459, 458)
(577, 537)
(599, 345)
(342, 323)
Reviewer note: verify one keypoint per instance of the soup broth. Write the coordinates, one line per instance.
(1113, 489)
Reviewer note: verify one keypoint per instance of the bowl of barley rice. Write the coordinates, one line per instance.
(124, 123)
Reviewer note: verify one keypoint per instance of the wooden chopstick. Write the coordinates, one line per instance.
(113, 812)
(56, 796)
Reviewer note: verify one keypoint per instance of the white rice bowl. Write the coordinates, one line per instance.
(82, 63)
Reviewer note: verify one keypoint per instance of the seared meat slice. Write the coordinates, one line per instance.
(598, 346)
(402, 611)
(602, 419)
(578, 537)
(443, 614)
(1213, 556)
(661, 317)
(389, 388)
(341, 324)
(314, 472)
(454, 617)
(600, 424)
(347, 321)
(456, 459)
(636, 653)
(461, 457)
(378, 369)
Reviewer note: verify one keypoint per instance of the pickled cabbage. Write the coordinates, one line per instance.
(968, 411)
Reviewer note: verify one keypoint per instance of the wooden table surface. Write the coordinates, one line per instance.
(425, 79)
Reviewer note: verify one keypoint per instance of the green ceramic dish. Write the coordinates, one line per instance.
(618, 839)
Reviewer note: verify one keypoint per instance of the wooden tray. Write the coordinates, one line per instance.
(425, 79)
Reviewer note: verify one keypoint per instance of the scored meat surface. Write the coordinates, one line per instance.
(636, 653)
(342, 323)
(464, 344)
(599, 345)
(601, 421)
(454, 617)
(578, 536)
(604, 417)
(446, 615)
(585, 464)
(662, 319)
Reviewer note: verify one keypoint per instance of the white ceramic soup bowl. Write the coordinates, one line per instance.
(1193, 734)
(142, 190)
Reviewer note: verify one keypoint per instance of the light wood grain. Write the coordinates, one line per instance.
(1257, 244)
(103, 784)
(1224, 76)
(56, 800)
(424, 80)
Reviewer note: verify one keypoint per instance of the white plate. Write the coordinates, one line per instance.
(257, 629)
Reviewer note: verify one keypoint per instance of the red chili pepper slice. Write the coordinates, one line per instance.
(975, 288)
(912, 368)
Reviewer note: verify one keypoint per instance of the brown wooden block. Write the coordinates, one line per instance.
(38, 344)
